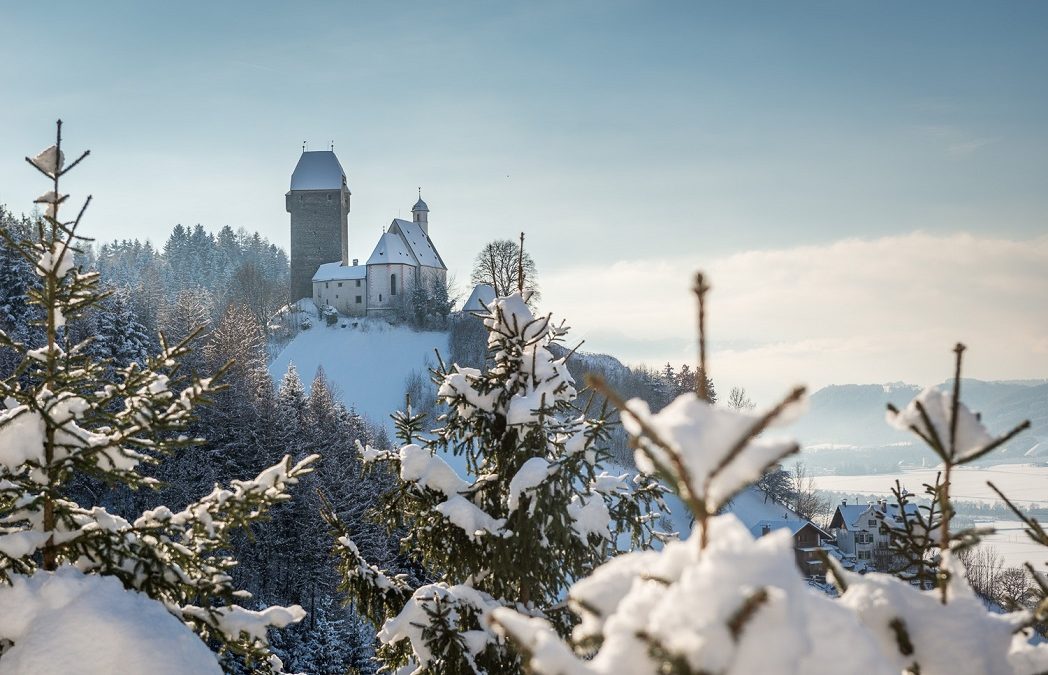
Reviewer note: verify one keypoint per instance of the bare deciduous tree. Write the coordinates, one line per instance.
(500, 263)
(807, 502)
(738, 400)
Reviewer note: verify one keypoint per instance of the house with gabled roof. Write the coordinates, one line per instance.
(808, 541)
(864, 530)
(762, 514)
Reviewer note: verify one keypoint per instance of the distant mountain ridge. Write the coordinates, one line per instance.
(853, 414)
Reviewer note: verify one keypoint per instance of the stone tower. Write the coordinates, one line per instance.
(420, 213)
(319, 206)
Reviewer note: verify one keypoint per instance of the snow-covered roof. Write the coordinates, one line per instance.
(480, 299)
(336, 271)
(419, 243)
(793, 525)
(849, 516)
(318, 170)
(391, 248)
(420, 205)
(754, 504)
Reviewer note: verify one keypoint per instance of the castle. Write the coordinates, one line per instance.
(319, 202)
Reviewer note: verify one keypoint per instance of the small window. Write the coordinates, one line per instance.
(358, 283)
(329, 196)
(392, 284)
(358, 300)
(340, 284)
(336, 296)
(380, 297)
(873, 522)
(326, 284)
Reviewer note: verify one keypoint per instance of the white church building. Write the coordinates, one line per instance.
(404, 256)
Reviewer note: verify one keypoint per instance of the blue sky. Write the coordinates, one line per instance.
(659, 137)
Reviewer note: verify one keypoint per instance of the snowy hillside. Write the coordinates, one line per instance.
(367, 361)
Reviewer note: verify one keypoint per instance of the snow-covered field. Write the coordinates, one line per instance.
(1025, 484)
(1013, 545)
(1022, 483)
(367, 363)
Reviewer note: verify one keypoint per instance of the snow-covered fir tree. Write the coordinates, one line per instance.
(534, 512)
(64, 417)
(18, 318)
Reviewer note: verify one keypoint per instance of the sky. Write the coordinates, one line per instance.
(865, 184)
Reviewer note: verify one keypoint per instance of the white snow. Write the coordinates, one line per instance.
(589, 515)
(52, 199)
(336, 271)
(468, 516)
(692, 603)
(392, 249)
(529, 476)
(318, 170)
(50, 160)
(419, 242)
(511, 316)
(21, 437)
(421, 466)
(413, 618)
(68, 622)
(59, 259)
(753, 505)
(971, 434)
(702, 435)
(367, 364)
(480, 299)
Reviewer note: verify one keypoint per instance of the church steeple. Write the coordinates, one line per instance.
(420, 213)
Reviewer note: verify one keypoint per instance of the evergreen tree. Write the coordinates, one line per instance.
(118, 336)
(19, 319)
(66, 417)
(533, 515)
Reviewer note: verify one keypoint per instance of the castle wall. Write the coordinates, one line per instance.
(343, 295)
(319, 234)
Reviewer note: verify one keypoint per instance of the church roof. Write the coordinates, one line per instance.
(420, 205)
(336, 271)
(391, 248)
(419, 242)
(318, 170)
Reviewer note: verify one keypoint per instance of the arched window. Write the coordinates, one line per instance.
(392, 284)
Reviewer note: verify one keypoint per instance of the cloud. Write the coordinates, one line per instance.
(957, 142)
(854, 310)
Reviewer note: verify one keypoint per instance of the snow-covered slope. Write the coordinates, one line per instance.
(368, 362)
(68, 622)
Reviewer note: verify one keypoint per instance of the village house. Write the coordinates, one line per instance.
(762, 515)
(864, 531)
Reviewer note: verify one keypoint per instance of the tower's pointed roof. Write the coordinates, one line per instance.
(318, 170)
(419, 205)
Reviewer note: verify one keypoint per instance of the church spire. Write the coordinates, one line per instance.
(420, 213)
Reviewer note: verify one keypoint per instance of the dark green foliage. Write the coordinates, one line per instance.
(528, 546)
(72, 417)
